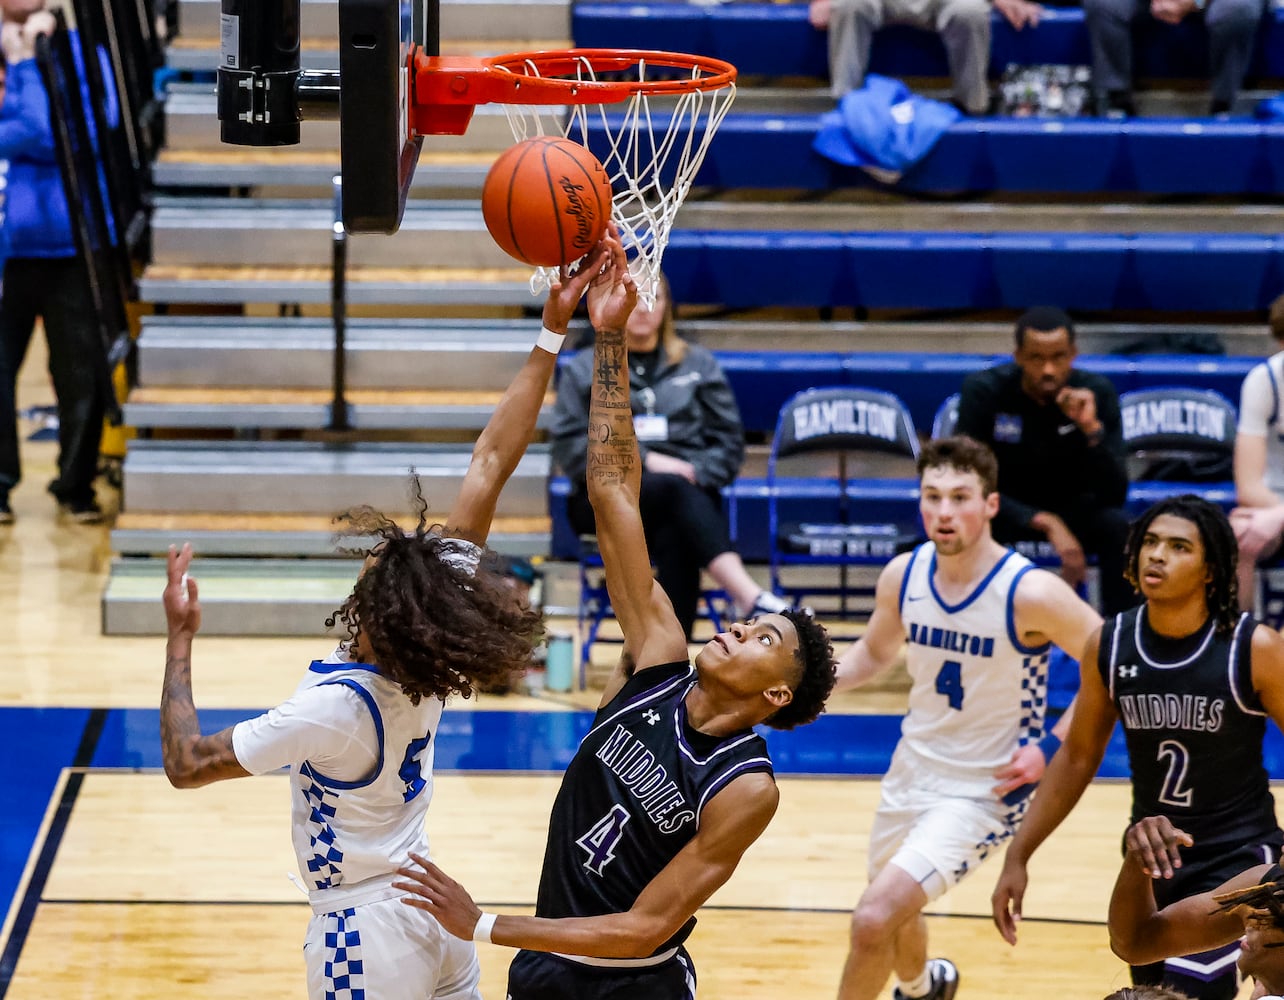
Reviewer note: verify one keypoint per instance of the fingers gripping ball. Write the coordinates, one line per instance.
(547, 201)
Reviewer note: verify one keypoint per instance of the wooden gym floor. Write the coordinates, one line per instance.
(117, 885)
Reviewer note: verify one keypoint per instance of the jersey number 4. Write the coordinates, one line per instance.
(949, 682)
(601, 839)
(411, 770)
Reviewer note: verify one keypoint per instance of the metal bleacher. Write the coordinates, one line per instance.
(797, 272)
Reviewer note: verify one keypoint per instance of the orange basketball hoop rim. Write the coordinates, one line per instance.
(445, 89)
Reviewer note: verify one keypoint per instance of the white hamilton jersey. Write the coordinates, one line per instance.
(977, 692)
(351, 836)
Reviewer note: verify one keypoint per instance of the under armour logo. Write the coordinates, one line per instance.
(651, 716)
(1128, 671)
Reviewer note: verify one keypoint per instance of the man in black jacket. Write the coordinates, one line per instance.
(1058, 436)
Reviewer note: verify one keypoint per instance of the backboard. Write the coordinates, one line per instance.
(377, 39)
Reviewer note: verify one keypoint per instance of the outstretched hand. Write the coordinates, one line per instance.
(437, 893)
(1154, 845)
(612, 294)
(182, 606)
(565, 293)
(1025, 768)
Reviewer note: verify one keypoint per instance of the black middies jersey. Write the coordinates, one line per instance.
(1194, 727)
(632, 796)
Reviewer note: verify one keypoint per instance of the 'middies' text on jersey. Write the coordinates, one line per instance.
(633, 794)
(1194, 726)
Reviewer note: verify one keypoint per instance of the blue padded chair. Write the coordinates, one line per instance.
(1180, 436)
(947, 418)
(827, 435)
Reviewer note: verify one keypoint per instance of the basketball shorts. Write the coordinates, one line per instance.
(387, 950)
(535, 975)
(935, 826)
(1210, 975)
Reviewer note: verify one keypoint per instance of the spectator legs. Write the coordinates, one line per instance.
(852, 24)
(18, 311)
(1103, 532)
(964, 26)
(75, 352)
(1232, 25)
(1110, 33)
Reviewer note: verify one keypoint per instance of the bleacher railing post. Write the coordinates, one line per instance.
(339, 416)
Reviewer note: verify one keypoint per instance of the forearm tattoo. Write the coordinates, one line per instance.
(612, 448)
(179, 723)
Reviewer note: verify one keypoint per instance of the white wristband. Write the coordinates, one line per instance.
(485, 922)
(550, 341)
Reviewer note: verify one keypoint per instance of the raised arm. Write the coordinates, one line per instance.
(190, 759)
(1068, 774)
(511, 427)
(652, 633)
(729, 824)
(884, 636)
(1140, 932)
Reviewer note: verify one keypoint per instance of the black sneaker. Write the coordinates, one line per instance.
(6, 512)
(945, 981)
(83, 512)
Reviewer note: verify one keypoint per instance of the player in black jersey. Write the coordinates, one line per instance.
(1249, 905)
(1193, 682)
(671, 785)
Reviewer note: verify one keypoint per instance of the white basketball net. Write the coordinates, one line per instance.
(656, 146)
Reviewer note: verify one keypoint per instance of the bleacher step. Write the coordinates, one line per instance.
(286, 535)
(311, 477)
(265, 597)
(192, 126)
(486, 353)
(462, 355)
(238, 597)
(191, 232)
(319, 19)
(373, 286)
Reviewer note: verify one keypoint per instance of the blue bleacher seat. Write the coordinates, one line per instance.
(1153, 156)
(776, 40)
(927, 270)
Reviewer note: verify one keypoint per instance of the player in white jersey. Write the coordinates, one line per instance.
(429, 617)
(979, 621)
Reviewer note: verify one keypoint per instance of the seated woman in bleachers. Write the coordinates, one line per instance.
(1258, 519)
(692, 444)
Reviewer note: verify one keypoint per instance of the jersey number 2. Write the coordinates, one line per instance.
(949, 682)
(411, 771)
(1174, 792)
(601, 839)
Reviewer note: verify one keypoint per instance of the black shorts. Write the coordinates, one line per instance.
(1209, 975)
(1203, 870)
(535, 975)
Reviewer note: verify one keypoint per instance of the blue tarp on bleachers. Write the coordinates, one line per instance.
(1153, 156)
(771, 39)
(924, 270)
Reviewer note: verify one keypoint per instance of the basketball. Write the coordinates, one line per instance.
(546, 201)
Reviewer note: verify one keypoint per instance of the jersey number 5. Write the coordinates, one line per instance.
(411, 770)
(601, 839)
(949, 682)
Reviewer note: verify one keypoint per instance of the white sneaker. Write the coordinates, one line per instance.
(766, 603)
(945, 982)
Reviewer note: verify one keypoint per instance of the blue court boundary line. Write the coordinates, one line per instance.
(35, 888)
